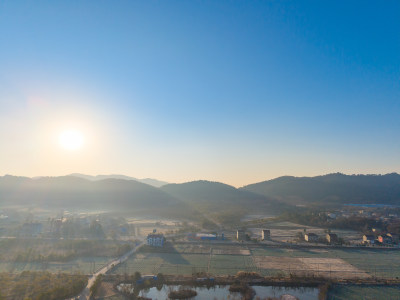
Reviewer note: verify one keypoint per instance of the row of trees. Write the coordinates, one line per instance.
(394, 227)
(42, 250)
(40, 285)
(357, 223)
(95, 287)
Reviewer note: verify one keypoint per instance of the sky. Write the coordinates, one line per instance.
(231, 91)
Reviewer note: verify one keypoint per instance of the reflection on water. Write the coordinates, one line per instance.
(222, 292)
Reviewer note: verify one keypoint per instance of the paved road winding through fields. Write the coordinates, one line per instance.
(86, 292)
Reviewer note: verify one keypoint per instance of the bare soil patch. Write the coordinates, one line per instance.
(198, 249)
(106, 289)
(230, 251)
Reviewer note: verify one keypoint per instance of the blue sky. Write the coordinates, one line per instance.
(232, 91)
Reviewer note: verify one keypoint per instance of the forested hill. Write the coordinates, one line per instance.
(218, 196)
(332, 188)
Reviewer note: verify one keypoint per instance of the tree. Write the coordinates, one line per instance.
(160, 277)
(300, 236)
(96, 229)
(95, 286)
(136, 276)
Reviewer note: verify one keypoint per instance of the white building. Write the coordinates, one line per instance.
(311, 237)
(265, 234)
(240, 235)
(155, 239)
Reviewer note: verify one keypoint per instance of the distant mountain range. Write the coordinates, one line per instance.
(71, 192)
(125, 194)
(150, 181)
(332, 189)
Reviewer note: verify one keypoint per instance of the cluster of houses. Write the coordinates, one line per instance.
(241, 235)
(382, 239)
(311, 237)
(377, 213)
(331, 238)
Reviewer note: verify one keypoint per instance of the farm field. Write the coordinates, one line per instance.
(378, 263)
(193, 249)
(327, 267)
(191, 258)
(382, 263)
(230, 264)
(166, 263)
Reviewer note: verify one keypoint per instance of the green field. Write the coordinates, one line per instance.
(380, 263)
(185, 264)
(231, 264)
(167, 263)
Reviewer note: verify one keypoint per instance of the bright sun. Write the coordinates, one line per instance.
(71, 139)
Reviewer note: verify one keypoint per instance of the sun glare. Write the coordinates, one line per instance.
(71, 139)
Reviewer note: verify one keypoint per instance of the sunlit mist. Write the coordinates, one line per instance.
(71, 140)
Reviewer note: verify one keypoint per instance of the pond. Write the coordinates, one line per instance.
(222, 292)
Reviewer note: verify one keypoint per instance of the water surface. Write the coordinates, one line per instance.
(222, 292)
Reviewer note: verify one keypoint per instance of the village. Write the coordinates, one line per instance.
(377, 239)
(269, 246)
